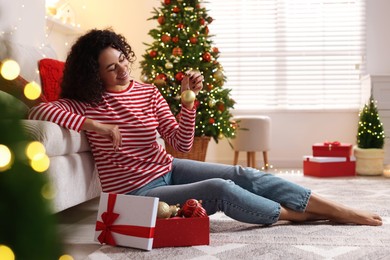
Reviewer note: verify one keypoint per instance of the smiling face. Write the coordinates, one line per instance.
(114, 69)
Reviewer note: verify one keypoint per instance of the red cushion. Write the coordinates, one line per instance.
(51, 72)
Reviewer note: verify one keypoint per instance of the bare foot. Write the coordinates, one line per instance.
(340, 213)
(359, 217)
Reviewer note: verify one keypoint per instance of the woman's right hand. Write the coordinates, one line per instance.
(109, 131)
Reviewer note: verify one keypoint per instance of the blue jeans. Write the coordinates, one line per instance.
(244, 194)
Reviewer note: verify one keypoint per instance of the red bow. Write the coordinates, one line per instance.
(330, 144)
(107, 226)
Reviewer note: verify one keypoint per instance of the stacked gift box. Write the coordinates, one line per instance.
(330, 159)
(132, 221)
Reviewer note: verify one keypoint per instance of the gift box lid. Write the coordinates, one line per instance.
(126, 220)
(328, 159)
(332, 146)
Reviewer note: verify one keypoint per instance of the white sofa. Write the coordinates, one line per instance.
(72, 171)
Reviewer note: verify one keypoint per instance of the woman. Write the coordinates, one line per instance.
(121, 118)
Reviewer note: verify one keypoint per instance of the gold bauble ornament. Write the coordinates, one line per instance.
(188, 96)
(163, 210)
(218, 75)
(168, 65)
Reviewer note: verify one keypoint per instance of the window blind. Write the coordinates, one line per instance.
(291, 54)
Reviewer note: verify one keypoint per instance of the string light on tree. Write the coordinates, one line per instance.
(370, 128)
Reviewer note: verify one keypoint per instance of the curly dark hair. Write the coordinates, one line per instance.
(81, 80)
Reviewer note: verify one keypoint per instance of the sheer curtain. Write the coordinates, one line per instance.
(291, 54)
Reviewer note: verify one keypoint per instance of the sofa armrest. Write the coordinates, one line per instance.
(56, 139)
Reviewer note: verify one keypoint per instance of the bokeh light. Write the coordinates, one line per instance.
(35, 150)
(6, 253)
(48, 191)
(10, 69)
(66, 257)
(40, 163)
(5, 157)
(32, 90)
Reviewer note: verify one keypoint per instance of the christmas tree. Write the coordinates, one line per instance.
(370, 129)
(27, 227)
(182, 42)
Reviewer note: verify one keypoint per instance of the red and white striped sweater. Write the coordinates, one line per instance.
(139, 111)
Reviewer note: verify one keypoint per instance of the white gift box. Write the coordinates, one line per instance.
(126, 220)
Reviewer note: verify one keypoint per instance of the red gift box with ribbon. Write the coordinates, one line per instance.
(130, 221)
(332, 149)
(328, 166)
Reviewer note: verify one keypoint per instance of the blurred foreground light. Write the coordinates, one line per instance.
(32, 90)
(6, 253)
(5, 158)
(10, 69)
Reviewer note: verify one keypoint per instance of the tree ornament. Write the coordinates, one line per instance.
(177, 51)
(161, 20)
(169, 65)
(193, 40)
(163, 210)
(209, 86)
(215, 50)
(153, 53)
(167, 2)
(211, 121)
(165, 38)
(180, 26)
(176, 9)
(220, 136)
(202, 21)
(206, 56)
(161, 76)
(188, 96)
(211, 103)
(218, 75)
(175, 39)
(221, 106)
(179, 76)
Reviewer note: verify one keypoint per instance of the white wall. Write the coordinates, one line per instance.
(293, 133)
(378, 37)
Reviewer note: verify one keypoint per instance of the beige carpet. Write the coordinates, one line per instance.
(230, 239)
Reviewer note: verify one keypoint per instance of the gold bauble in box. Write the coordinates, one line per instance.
(188, 96)
(163, 210)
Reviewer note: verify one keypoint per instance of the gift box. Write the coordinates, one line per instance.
(131, 221)
(332, 149)
(177, 231)
(328, 166)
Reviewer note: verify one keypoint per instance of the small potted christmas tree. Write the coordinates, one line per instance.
(369, 151)
(182, 42)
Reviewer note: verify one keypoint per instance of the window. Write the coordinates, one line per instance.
(291, 54)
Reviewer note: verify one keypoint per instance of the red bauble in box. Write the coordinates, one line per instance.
(332, 149)
(328, 166)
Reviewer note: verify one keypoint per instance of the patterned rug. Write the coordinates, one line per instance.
(230, 239)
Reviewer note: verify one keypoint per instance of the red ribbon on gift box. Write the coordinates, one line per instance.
(330, 144)
(108, 227)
